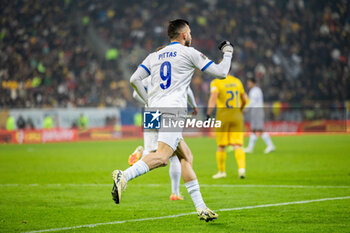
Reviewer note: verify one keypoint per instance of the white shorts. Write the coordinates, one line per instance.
(151, 138)
(170, 138)
(168, 134)
(257, 119)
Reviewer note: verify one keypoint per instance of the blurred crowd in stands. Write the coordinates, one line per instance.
(81, 53)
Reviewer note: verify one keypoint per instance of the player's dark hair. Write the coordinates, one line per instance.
(175, 27)
(252, 80)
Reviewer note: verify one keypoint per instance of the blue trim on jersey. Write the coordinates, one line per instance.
(175, 42)
(206, 66)
(149, 73)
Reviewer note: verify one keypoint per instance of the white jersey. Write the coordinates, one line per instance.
(171, 70)
(256, 98)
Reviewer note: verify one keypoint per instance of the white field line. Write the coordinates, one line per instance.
(190, 213)
(201, 185)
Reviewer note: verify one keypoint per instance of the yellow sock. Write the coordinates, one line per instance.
(240, 157)
(221, 160)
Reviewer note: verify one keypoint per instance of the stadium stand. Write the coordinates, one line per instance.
(81, 53)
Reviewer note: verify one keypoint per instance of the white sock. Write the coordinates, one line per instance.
(266, 137)
(175, 174)
(252, 140)
(193, 190)
(139, 168)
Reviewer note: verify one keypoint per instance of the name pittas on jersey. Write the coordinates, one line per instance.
(166, 54)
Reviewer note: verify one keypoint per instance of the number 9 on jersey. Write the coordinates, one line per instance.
(165, 74)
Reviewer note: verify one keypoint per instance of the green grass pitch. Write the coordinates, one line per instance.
(48, 186)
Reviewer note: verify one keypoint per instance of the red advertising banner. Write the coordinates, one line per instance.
(130, 131)
(59, 135)
(287, 128)
(27, 136)
(41, 136)
(97, 134)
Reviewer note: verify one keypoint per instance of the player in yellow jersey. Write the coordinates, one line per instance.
(230, 99)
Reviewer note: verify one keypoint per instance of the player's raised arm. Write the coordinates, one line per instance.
(221, 70)
(215, 70)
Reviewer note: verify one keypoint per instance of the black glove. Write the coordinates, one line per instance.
(226, 46)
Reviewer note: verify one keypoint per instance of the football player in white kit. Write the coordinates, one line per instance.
(150, 141)
(255, 109)
(171, 70)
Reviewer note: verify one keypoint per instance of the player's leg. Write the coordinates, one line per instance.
(189, 176)
(167, 144)
(150, 143)
(240, 158)
(149, 162)
(265, 136)
(256, 124)
(221, 140)
(252, 140)
(175, 176)
(159, 158)
(221, 162)
(236, 139)
(269, 144)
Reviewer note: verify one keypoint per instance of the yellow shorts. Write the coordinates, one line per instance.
(229, 138)
(231, 132)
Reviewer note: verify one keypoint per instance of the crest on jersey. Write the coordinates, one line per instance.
(203, 56)
(151, 119)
